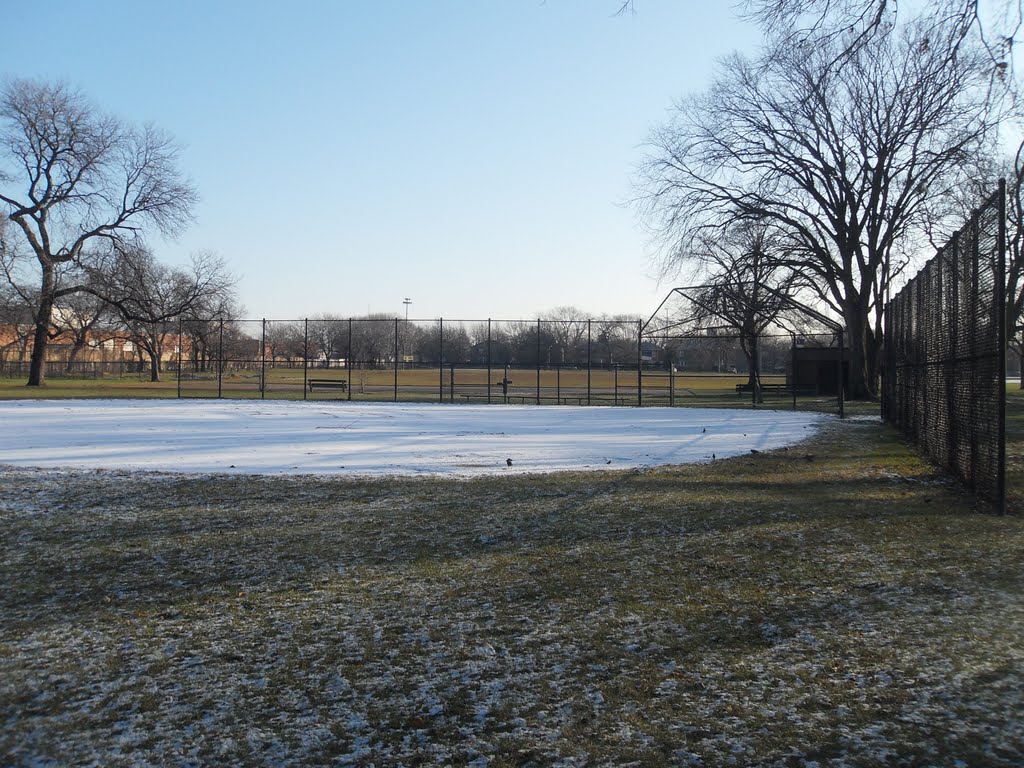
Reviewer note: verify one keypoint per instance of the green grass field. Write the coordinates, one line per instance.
(836, 603)
(568, 386)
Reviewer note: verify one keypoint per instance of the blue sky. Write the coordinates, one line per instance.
(472, 156)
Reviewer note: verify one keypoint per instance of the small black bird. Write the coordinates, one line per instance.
(508, 462)
(712, 457)
(704, 430)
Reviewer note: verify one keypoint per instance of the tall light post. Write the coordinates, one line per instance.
(407, 301)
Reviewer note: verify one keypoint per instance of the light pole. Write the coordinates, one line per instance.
(407, 302)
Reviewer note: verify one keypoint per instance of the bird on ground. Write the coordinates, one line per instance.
(508, 462)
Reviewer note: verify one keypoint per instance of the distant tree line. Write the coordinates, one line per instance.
(557, 338)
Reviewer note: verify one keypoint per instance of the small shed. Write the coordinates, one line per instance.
(817, 369)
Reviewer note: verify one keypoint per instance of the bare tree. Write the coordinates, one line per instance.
(77, 317)
(568, 329)
(76, 182)
(745, 287)
(149, 295)
(328, 339)
(854, 22)
(840, 159)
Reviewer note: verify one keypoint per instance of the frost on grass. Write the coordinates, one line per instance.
(762, 611)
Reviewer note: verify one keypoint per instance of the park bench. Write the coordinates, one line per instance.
(765, 388)
(327, 384)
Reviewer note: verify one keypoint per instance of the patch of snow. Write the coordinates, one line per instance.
(261, 437)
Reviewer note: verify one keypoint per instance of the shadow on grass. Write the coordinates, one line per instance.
(130, 543)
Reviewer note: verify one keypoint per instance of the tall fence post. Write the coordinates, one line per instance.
(440, 360)
(972, 396)
(220, 359)
(755, 391)
(348, 360)
(1002, 331)
(792, 369)
(954, 283)
(488, 361)
(181, 335)
(305, 357)
(671, 383)
(263, 362)
(538, 361)
(841, 387)
(588, 360)
(396, 359)
(640, 363)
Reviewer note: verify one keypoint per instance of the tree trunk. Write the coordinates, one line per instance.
(73, 354)
(748, 343)
(154, 366)
(861, 356)
(41, 335)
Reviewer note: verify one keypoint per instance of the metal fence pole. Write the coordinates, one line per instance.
(754, 390)
(671, 384)
(396, 359)
(841, 386)
(440, 360)
(263, 362)
(792, 369)
(1001, 330)
(538, 361)
(181, 343)
(220, 360)
(588, 361)
(954, 451)
(348, 360)
(488, 361)
(640, 363)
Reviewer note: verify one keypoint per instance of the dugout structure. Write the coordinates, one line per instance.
(943, 376)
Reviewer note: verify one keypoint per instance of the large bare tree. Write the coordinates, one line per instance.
(840, 159)
(75, 183)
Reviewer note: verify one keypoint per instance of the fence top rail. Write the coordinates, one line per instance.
(358, 319)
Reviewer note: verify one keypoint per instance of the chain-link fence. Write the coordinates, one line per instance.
(944, 363)
(568, 362)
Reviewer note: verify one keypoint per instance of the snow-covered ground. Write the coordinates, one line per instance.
(266, 437)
